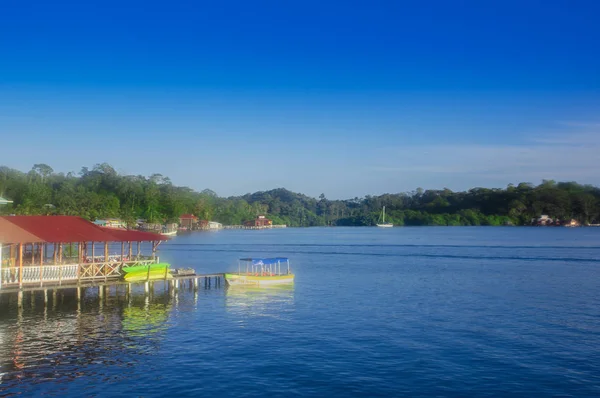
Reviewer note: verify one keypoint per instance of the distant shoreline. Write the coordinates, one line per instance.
(101, 192)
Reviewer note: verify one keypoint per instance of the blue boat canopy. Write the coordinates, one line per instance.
(265, 261)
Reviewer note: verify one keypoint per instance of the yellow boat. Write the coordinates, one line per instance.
(261, 272)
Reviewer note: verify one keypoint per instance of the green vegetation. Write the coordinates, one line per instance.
(101, 193)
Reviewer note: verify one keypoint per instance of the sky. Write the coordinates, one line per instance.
(346, 98)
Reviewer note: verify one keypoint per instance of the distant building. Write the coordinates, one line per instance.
(111, 223)
(151, 227)
(260, 221)
(543, 220)
(214, 225)
(188, 221)
(572, 223)
(202, 224)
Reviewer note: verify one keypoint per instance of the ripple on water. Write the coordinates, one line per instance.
(411, 311)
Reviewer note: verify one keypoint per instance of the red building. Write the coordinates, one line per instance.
(260, 221)
(55, 250)
(188, 221)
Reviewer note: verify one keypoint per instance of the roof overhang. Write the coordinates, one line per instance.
(65, 229)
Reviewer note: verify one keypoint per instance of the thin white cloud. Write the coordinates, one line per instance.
(562, 157)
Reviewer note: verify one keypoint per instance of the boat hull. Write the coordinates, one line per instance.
(140, 272)
(385, 225)
(258, 280)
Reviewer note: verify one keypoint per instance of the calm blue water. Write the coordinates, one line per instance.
(374, 312)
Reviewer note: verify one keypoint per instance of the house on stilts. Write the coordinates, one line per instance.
(68, 250)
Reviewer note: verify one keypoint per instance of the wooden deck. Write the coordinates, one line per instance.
(193, 281)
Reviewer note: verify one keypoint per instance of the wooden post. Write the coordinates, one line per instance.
(150, 265)
(11, 262)
(41, 247)
(138, 251)
(20, 299)
(93, 266)
(105, 258)
(60, 252)
(80, 249)
(20, 266)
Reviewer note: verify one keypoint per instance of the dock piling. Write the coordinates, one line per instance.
(191, 282)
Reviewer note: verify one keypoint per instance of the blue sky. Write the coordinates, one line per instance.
(343, 98)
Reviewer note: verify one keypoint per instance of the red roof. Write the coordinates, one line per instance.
(10, 233)
(188, 217)
(65, 229)
(131, 235)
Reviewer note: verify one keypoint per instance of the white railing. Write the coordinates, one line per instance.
(35, 274)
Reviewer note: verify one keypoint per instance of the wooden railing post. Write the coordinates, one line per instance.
(20, 265)
(79, 259)
(105, 259)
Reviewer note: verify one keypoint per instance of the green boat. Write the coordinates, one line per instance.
(138, 273)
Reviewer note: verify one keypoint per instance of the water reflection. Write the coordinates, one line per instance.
(259, 301)
(63, 339)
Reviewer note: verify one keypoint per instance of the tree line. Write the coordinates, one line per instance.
(101, 192)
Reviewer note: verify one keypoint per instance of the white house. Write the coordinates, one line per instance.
(214, 225)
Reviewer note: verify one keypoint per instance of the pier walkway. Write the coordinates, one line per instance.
(193, 281)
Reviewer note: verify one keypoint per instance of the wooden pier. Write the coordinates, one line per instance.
(193, 281)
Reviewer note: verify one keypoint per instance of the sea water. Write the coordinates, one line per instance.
(447, 311)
